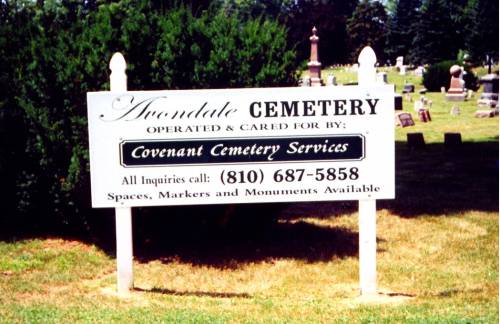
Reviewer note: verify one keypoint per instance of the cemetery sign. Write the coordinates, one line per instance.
(152, 148)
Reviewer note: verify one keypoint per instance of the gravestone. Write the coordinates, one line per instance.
(456, 91)
(485, 113)
(398, 102)
(424, 115)
(402, 70)
(408, 87)
(489, 61)
(452, 139)
(399, 62)
(455, 111)
(422, 103)
(415, 140)
(421, 107)
(404, 119)
(382, 78)
(314, 65)
(489, 97)
(419, 71)
(305, 82)
(419, 104)
(331, 80)
(470, 94)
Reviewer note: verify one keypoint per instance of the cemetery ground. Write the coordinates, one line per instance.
(437, 249)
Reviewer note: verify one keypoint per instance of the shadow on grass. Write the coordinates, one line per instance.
(438, 180)
(433, 180)
(252, 235)
(193, 293)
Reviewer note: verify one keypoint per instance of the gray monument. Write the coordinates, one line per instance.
(489, 97)
(314, 64)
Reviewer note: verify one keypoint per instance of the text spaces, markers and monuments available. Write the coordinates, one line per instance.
(157, 148)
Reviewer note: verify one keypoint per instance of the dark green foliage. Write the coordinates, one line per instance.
(11, 147)
(430, 31)
(254, 9)
(366, 27)
(423, 31)
(52, 53)
(219, 51)
(438, 75)
(437, 35)
(481, 37)
(470, 79)
(401, 28)
(329, 17)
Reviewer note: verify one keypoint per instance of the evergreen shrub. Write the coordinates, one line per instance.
(55, 53)
(438, 75)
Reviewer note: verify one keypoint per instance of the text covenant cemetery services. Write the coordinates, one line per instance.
(188, 147)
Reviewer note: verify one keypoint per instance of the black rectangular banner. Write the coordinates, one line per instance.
(135, 153)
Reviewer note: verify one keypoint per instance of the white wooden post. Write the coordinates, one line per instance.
(367, 75)
(123, 215)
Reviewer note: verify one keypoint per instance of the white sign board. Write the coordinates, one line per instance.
(159, 148)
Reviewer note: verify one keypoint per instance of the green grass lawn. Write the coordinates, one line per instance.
(437, 251)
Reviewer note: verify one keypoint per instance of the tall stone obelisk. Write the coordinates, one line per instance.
(314, 64)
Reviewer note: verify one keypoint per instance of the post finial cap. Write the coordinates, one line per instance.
(367, 57)
(117, 63)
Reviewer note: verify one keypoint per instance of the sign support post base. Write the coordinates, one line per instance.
(367, 247)
(124, 250)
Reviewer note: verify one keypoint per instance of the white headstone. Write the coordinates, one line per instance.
(419, 71)
(331, 80)
(382, 77)
(417, 105)
(470, 93)
(399, 61)
(455, 111)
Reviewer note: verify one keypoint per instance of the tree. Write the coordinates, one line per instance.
(367, 27)
(401, 28)
(390, 6)
(271, 9)
(481, 37)
(300, 16)
(435, 34)
(15, 21)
